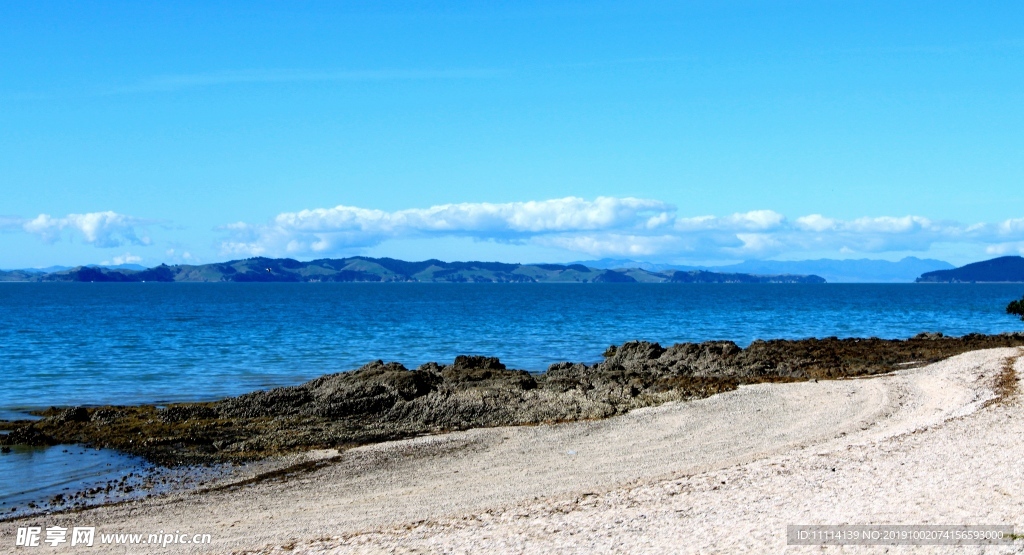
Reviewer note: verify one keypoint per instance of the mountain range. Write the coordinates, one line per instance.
(52, 269)
(364, 269)
(834, 271)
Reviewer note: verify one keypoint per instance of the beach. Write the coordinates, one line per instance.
(511, 277)
(932, 445)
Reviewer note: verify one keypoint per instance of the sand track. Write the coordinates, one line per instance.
(369, 497)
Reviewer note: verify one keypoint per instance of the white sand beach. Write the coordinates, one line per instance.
(724, 474)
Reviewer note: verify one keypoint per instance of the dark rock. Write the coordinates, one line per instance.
(104, 415)
(1016, 308)
(181, 413)
(73, 414)
(463, 362)
(635, 352)
(382, 401)
(27, 436)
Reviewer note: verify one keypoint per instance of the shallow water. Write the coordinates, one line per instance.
(43, 479)
(100, 343)
(36, 474)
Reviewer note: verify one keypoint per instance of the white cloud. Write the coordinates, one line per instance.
(1006, 249)
(1011, 228)
(325, 230)
(126, 258)
(609, 226)
(757, 220)
(815, 222)
(611, 244)
(101, 229)
(181, 256)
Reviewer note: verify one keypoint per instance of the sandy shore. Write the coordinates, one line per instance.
(723, 474)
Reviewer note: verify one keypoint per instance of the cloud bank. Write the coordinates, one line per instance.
(328, 230)
(101, 229)
(610, 226)
(642, 229)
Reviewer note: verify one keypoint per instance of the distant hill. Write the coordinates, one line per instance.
(49, 269)
(846, 271)
(136, 267)
(998, 270)
(363, 269)
(834, 271)
(52, 269)
(39, 270)
(18, 275)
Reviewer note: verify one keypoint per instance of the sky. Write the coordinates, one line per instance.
(674, 132)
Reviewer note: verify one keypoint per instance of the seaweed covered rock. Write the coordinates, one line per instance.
(27, 435)
(485, 372)
(383, 401)
(371, 389)
(73, 414)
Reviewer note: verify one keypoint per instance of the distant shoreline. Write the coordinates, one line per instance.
(1007, 269)
(363, 269)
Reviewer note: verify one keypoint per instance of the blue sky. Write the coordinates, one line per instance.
(551, 131)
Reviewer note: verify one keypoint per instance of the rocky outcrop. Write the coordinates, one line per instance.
(382, 401)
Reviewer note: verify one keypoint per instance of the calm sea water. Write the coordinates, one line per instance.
(97, 343)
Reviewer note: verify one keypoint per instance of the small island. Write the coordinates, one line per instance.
(1005, 269)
